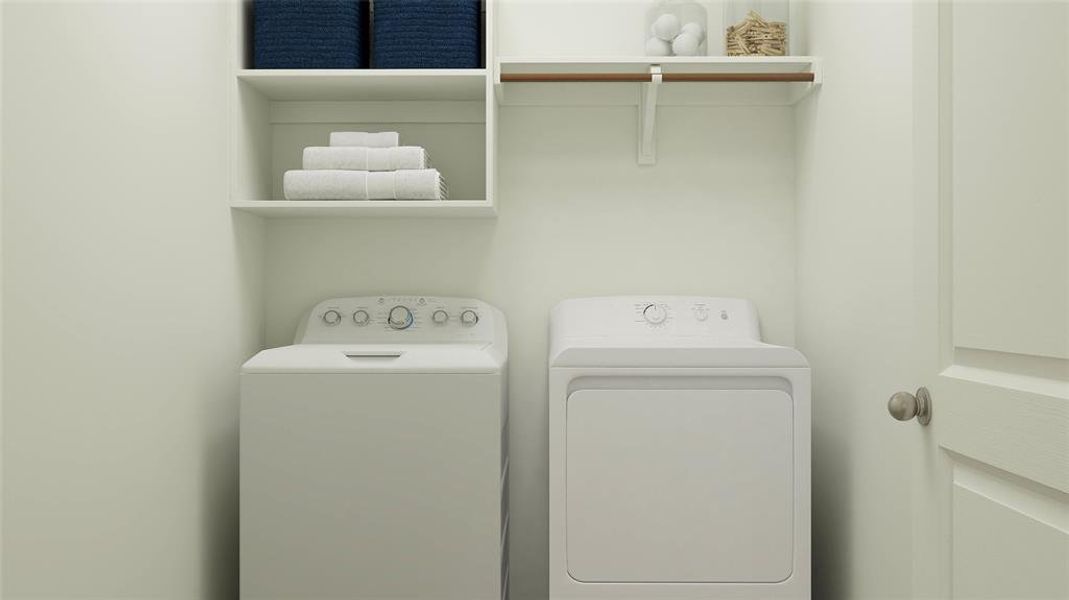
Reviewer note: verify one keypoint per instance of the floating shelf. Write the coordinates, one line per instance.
(649, 82)
(366, 208)
(367, 84)
(670, 64)
(688, 81)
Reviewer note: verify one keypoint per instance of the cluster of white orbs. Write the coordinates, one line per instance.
(669, 37)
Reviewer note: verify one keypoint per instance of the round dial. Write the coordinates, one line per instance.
(440, 316)
(361, 317)
(400, 317)
(332, 317)
(655, 314)
(469, 317)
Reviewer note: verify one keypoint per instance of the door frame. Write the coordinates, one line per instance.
(932, 222)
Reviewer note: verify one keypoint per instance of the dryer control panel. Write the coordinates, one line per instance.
(394, 319)
(657, 316)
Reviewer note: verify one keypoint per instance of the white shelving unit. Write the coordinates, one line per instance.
(453, 113)
(276, 113)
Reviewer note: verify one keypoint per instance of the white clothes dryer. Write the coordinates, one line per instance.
(679, 448)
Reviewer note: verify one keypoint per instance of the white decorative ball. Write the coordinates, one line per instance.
(666, 27)
(685, 44)
(655, 46)
(694, 29)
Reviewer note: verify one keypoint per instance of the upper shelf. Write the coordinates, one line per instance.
(367, 84)
(701, 80)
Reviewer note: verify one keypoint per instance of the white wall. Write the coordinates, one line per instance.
(130, 299)
(577, 217)
(130, 295)
(855, 293)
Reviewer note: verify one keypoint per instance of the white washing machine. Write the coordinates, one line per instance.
(679, 453)
(374, 454)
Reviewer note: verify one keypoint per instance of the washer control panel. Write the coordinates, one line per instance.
(386, 319)
(658, 316)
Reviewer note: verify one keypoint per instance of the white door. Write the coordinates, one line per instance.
(992, 145)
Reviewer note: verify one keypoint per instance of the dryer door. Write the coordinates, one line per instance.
(679, 485)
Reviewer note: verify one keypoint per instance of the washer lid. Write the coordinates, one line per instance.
(376, 358)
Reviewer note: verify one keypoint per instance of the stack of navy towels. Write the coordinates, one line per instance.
(334, 34)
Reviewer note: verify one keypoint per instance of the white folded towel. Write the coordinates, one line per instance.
(362, 158)
(420, 184)
(382, 139)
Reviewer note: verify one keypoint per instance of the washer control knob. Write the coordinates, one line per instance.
(332, 317)
(655, 314)
(361, 317)
(469, 318)
(399, 318)
(440, 317)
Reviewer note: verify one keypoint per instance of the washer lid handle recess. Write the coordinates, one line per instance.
(372, 355)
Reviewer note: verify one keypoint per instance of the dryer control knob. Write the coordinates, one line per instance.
(332, 317)
(440, 317)
(469, 317)
(361, 317)
(399, 318)
(655, 314)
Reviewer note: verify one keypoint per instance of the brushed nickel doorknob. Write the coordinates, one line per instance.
(904, 406)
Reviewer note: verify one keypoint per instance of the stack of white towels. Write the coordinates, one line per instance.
(364, 166)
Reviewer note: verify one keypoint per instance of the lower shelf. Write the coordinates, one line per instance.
(460, 209)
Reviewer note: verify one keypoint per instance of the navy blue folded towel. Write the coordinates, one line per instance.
(427, 34)
(310, 34)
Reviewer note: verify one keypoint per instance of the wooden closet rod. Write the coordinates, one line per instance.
(646, 77)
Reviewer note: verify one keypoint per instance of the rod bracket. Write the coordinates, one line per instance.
(647, 118)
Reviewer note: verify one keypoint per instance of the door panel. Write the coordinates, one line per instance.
(1008, 166)
(992, 133)
(1009, 538)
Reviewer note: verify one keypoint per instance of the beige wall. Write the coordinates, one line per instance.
(855, 293)
(130, 299)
